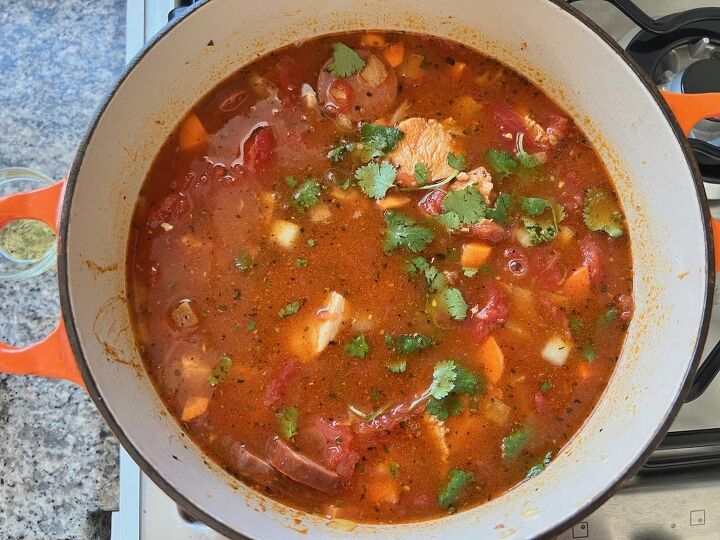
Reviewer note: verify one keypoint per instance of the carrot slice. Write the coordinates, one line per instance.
(577, 285)
(456, 70)
(395, 53)
(393, 201)
(475, 254)
(372, 40)
(492, 359)
(194, 407)
(192, 133)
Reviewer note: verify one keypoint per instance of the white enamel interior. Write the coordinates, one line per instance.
(588, 79)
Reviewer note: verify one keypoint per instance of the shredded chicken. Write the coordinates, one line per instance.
(479, 178)
(438, 432)
(428, 142)
(539, 134)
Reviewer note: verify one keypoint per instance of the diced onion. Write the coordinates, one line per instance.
(556, 350)
(309, 96)
(319, 213)
(284, 233)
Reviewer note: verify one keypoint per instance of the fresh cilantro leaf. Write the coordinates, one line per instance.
(394, 469)
(379, 140)
(410, 343)
(358, 347)
(443, 382)
(466, 381)
(575, 324)
(608, 317)
(221, 371)
(290, 181)
(470, 272)
(442, 409)
(389, 341)
(375, 179)
(545, 387)
(501, 162)
(468, 204)
(528, 161)
(340, 149)
(539, 232)
(301, 262)
(435, 279)
(243, 262)
(251, 326)
(450, 219)
(589, 353)
(601, 212)
(287, 419)
(513, 444)
(417, 264)
(421, 174)
(499, 214)
(539, 467)
(398, 367)
(457, 161)
(456, 305)
(307, 194)
(534, 206)
(290, 309)
(346, 62)
(453, 488)
(487, 269)
(375, 394)
(310, 242)
(402, 231)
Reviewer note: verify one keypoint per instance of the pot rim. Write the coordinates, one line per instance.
(174, 493)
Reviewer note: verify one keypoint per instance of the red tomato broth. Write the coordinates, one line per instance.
(200, 208)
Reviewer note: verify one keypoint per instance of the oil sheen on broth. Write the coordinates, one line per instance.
(379, 277)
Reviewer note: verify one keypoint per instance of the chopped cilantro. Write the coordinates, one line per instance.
(443, 382)
(346, 62)
(290, 181)
(539, 232)
(358, 347)
(457, 161)
(339, 149)
(451, 220)
(251, 326)
(379, 140)
(466, 381)
(435, 279)
(310, 242)
(398, 367)
(301, 262)
(375, 394)
(287, 419)
(456, 305)
(534, 206)
(601, 212)
(545, 387)
(608, 317)
(307, 194)
(389, 341)
(221, 371)
(526, 160)
(453, 488)
(499, 214)
(513, 444)
(394, 469)
(487, 269)
(468, 204)
(375, 179)
(539, 467)
(290, 309)
(410, 343)
(501, 162)
(421, 174)
(589, 353)
(402, 231)
(575, 324)
(416, 264)
(442, 409)
(243, 263)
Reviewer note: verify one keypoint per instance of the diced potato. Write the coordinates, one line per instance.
(475, 254)
(319, 213)
(437, 432)
(194, 407)
(393, 201)
(466, 109)
(381, 488)
(192, 133)
(395, 53)
(492, 359)
(556, 350)
(345, 195)
(284, 233)
(193, 368)
(565, 234)
(374, 72)
(267, 201)
(191, 241)
(184, 315)
(410, 68)
(372, 40)
(577, 285)
(497, 412)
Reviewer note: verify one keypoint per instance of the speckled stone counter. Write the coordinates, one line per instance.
(58, 459)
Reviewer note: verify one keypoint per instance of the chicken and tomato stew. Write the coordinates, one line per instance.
(379, 276)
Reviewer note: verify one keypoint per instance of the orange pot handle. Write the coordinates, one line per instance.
(52, 356)
(689, 109)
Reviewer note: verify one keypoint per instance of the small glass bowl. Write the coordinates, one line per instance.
(19, 238)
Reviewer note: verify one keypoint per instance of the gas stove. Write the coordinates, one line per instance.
(677, 494)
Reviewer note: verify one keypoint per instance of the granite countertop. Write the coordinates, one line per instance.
(58, 459)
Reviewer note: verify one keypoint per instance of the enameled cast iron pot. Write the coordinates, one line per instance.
(619, 109)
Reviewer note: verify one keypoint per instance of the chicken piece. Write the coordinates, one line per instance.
(479, 178)
(539, 134)
(310, 335)
(428, 142)
(437, 432)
